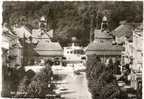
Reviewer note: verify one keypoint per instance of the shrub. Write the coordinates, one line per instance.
(101, 82)
(37, 86)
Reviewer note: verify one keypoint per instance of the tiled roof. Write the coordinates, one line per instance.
(21, 31)
(37, 33)
(106, 45)
(101, 34)
(104, 48)
(49, 48)
(104, 53)
(123, 30)
(102, 45)
(50, 53)
(43, 45)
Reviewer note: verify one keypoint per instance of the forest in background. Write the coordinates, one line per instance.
(70, 19)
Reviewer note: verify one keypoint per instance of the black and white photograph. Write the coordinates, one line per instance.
(72, 49)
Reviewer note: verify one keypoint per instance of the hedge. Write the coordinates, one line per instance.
(101, 81)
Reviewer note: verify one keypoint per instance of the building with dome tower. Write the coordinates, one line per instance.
(45, 48)
(102, 45)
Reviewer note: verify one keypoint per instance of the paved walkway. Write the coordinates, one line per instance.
(76, 86)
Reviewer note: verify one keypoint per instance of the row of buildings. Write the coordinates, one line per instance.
(23, 45)
(123, 43)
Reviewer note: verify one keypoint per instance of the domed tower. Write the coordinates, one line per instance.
(43, 24)
(102, 45)
(104, 24)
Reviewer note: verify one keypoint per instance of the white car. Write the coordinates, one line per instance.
(57, 69)
(35, 68)
(63, 90)
(79, 67)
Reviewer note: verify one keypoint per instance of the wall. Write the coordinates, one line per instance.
(137, 50)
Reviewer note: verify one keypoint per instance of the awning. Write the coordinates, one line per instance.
(104, 53)
(50, 53)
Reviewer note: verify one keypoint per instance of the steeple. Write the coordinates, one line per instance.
(43, 23)
(104, 24)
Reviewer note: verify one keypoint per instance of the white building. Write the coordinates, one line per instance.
(22, 31)
(74, 53)
(132, 40)
(137, 48)
(136, 74)
(11, 48)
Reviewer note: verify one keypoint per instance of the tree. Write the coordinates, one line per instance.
(72, 18)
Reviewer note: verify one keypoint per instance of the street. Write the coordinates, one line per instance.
(74, 86)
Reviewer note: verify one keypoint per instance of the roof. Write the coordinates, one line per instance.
(7, 31)
(101, 34)
(104, 53)
(123, 30)
(103, 48)
(43, 45)
(37, 33)
(21, 31)
(49, 48)
(50, 53)
(106, 45)
(29, 27)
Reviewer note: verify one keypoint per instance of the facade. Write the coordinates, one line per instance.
(73, 53)
(11, 48)
(49, 50)
(133, 53)
(137, 48)
(45, 48)
(103, 45)
(132, 42)
(137, 63)
(24, 34)
(123, 37)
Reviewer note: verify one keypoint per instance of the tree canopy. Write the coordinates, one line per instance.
(72, 18)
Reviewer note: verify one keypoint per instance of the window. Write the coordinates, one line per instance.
(57, 63)
(75, 52)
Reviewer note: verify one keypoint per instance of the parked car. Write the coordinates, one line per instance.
(35, 68)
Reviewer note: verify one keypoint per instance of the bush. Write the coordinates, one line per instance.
(101, 82)
(37, 86)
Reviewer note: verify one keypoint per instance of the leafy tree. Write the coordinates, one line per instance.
(72, 18)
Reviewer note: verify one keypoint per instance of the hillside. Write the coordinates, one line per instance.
(71, 18)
